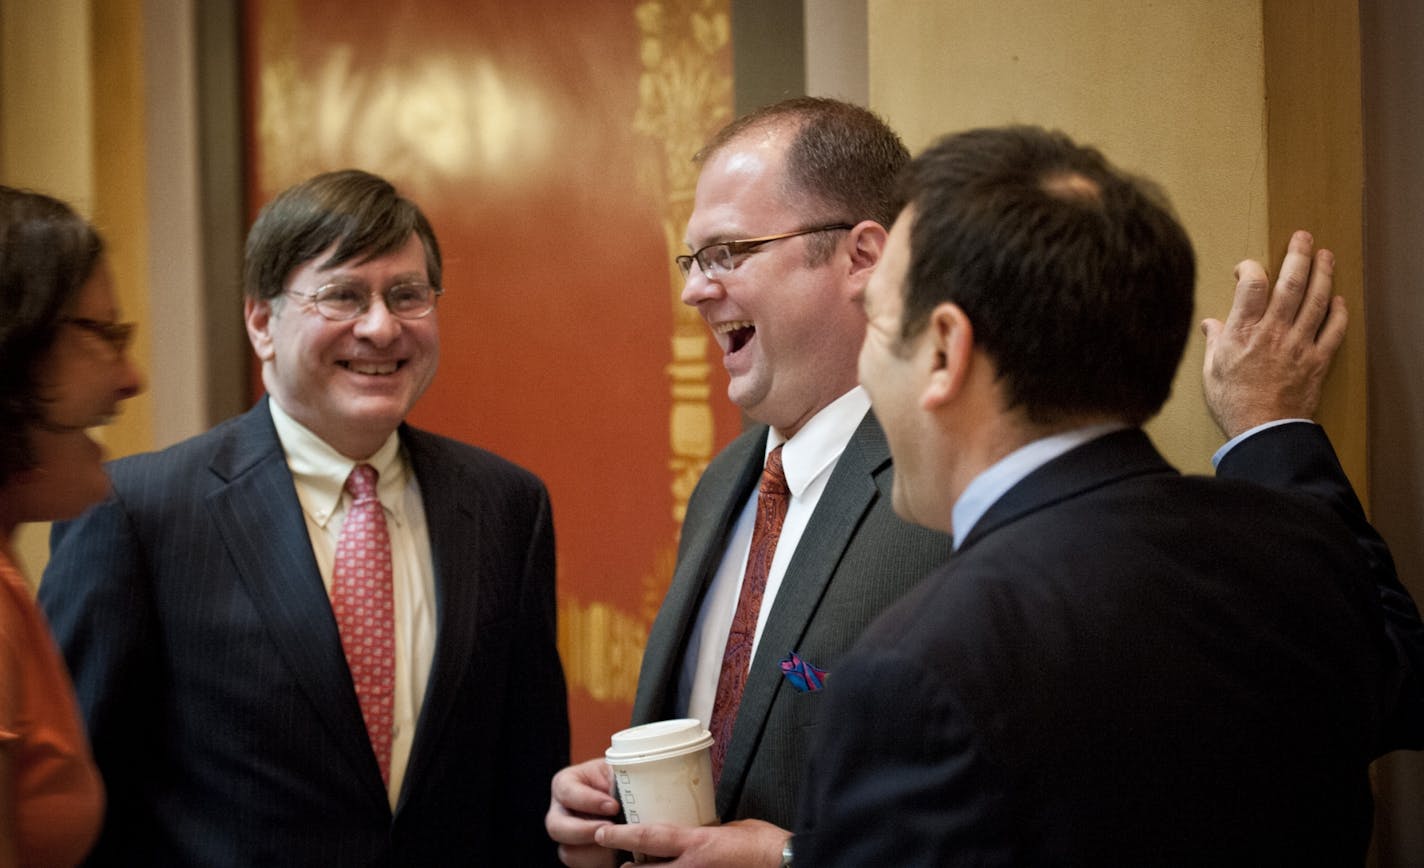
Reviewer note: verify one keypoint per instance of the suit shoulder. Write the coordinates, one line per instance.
(176, 460)
(428, 449)
(1116, 547)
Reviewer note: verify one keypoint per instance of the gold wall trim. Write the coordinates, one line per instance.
(684, 95)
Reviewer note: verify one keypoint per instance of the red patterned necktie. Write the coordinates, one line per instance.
(361, 597)
(772, 500)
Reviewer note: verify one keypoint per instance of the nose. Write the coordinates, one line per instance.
(130, 380)
(377, 324)
(698, 287)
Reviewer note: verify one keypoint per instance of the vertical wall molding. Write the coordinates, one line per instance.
(1315, 181)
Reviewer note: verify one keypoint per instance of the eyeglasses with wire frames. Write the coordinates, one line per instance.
(719, 258)
(118, 335)
(341, 302)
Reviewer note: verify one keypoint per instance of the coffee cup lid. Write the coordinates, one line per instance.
(653, 741)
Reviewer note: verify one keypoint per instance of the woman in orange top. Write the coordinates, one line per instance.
(62, 370)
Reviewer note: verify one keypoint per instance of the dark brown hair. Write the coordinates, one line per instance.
(1077, 277)
(358, 212)
(47, 253)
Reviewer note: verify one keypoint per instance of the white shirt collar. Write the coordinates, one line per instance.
(821, 440)
(320, 472)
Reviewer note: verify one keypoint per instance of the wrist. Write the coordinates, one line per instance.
(786, 852)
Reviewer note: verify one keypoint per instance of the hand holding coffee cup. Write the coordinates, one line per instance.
(663, 772)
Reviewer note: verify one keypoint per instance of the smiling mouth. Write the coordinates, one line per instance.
(737, 333)
(375, 369)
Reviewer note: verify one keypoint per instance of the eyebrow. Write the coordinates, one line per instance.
(403, 277)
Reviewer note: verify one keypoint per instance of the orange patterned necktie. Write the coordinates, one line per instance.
(772, 499)
(361, 597)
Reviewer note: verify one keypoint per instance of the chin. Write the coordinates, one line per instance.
(74, 499)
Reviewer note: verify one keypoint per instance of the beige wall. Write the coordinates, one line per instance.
(45, 98)
(46, 126)
(1174, 91)
(1249, 113)
(92, 94)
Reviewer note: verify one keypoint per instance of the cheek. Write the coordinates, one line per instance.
(873, 365)
(74, 401)
(73, 467)
(427, 343)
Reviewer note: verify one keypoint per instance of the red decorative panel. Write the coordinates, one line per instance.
(549, 143)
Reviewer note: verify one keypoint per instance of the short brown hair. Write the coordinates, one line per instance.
(1077, 276)
(843, 157)
(360, 213)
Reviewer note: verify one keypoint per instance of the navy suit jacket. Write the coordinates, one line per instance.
(1298, 457)
(1120, 666)
(222, 713)
(854, 558)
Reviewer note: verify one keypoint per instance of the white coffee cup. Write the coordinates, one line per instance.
(663, 771)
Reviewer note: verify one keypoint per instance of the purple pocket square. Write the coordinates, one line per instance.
(802, 675)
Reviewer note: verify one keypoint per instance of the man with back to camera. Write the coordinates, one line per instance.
(1119, 665)
(787, 225)
(315, 635)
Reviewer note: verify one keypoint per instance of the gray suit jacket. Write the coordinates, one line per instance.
(211, 676)
(854, 559)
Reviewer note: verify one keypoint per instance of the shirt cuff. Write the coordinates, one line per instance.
(1231, 444)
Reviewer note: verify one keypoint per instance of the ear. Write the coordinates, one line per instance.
(867, 245)
(258, 315)
(950, 338)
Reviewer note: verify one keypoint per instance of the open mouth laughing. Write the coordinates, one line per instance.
(734, 335)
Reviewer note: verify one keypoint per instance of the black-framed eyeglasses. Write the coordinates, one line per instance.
(719, 258)
(118, 335)
(341, 302)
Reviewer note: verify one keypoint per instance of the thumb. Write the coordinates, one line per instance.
(1211, 329)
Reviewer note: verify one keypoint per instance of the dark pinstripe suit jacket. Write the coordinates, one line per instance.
(221, 710)
(854, 559)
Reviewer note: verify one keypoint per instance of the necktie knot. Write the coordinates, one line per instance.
(773, 478)
(361, 484)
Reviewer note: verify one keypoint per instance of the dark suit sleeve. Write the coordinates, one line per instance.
(534, 717)
(95, 597)
(1298, 457)
(896, 776)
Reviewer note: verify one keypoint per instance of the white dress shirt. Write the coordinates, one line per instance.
(808, 460)
(320, 474)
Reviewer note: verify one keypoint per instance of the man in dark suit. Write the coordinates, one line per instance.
(1263, 373)
(263, 684)
(1119, 664)
(788, 223)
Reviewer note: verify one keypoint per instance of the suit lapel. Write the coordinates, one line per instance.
(721, 496)
(849, 493)
(456, 540)
(1098, 462)
(261, 522)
